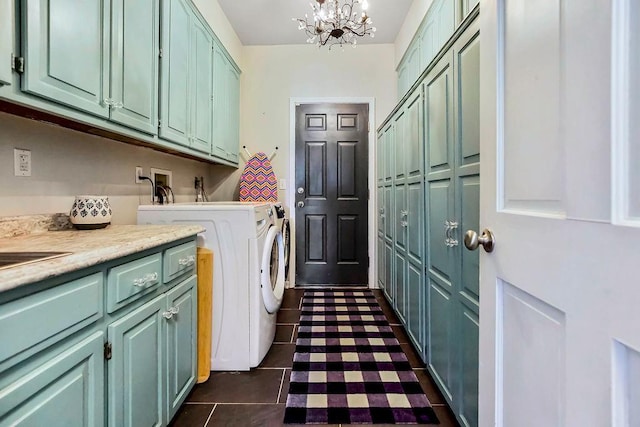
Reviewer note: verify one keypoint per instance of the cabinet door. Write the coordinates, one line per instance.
(136, 371)
(220, 102)
(232, 146)
(181, 343)
(66, 389)
(439, 190)
(68, 67)
(202, 87)
(134, 63)
(175, 96)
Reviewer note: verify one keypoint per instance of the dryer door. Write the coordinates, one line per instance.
(272, 270)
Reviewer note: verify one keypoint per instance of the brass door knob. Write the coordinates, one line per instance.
(487, 240)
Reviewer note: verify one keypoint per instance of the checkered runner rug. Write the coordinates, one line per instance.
(348, 367)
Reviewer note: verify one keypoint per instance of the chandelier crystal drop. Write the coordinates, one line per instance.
(337, 22)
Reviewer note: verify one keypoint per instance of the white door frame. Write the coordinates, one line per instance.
(371, 237)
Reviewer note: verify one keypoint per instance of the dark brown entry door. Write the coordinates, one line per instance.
(331, 194)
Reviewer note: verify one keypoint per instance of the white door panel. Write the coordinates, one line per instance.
(559, 341)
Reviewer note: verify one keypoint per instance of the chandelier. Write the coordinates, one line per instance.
(336, 22)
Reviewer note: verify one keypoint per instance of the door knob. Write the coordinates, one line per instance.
(300, 190)
(487, 240)
(301, 204)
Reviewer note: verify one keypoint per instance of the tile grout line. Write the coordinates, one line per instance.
(284, 371)
(215, 405)
(293, 334)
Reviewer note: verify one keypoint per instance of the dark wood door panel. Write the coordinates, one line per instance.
(331, 183)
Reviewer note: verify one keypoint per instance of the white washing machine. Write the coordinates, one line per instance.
(248, 278)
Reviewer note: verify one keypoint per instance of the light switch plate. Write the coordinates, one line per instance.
(21, 162)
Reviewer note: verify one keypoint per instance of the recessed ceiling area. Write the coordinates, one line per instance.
(269, 22)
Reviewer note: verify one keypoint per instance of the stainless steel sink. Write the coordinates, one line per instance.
(12, 259)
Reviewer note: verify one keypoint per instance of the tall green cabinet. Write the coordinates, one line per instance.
(428, 195)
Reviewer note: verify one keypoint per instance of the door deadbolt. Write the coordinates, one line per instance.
(300, 190)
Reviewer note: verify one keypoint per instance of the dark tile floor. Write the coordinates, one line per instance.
(257, 398)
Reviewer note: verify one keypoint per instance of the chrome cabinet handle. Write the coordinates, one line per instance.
(404, 223)
(450, 227)
(145, 280)
(185, 262)
(112, 103)
(487, 240)
(171, 311)
(404, 213)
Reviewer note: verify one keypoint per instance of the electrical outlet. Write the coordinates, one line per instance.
(139, 173)
(21, 162)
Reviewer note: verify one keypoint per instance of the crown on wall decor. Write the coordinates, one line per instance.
(337, 22)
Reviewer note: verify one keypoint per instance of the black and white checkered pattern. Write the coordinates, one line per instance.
(348, 366)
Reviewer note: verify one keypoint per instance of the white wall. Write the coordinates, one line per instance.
(67, 163)
(416, 13)
(274, 74)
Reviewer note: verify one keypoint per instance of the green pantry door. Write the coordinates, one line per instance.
(452, 195)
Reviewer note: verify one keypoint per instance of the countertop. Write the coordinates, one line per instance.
(88, 247)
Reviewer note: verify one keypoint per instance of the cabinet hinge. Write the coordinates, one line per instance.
(107, 350)
(159, 123)
(160, 53)
(17, 63)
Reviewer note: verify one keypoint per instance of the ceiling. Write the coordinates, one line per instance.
(269, 22)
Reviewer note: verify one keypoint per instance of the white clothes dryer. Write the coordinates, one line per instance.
(248, 274)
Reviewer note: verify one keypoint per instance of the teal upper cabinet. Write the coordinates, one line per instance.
(437, 27)
(107, 65)
(233, 126)
(134, 63)
(202, 87)
(226, 110)
(65, 48)
(175, 99)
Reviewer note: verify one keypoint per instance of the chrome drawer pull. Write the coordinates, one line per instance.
(188, 261)
(143, 281)
(170, 312)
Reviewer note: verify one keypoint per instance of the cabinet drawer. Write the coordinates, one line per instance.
(130, 281)
(179, 260)
(40, 320)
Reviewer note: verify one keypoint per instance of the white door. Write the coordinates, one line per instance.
(560, 180)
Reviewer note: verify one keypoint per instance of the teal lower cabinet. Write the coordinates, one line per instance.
(136, 368)
(153, 362)
(114, 344)
(64, 387)
(181, 341)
